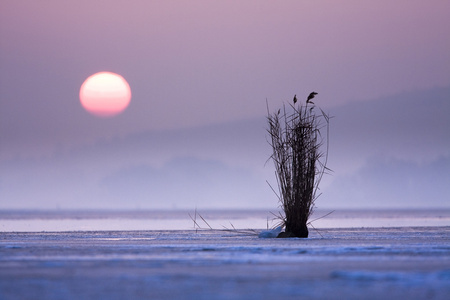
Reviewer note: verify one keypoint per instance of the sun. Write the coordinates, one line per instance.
(105, 94)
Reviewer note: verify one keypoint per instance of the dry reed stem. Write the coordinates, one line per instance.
(296, 141)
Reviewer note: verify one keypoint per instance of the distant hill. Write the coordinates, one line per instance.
(389, 152)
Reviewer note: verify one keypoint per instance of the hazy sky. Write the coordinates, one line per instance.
(194, 66)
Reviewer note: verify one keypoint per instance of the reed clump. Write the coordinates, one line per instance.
(295, 134)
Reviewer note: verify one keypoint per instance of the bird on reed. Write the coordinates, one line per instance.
(311, 96)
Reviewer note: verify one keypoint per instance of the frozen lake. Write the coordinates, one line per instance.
(404, 262)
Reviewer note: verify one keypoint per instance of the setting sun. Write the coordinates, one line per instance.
(105, 94)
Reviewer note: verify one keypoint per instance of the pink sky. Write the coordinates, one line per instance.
(201, 63)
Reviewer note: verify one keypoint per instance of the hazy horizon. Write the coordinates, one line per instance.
(226, 165)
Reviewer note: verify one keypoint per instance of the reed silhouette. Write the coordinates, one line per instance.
(300, 161)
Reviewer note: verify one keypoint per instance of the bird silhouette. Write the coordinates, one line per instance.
(312, 95)
(295, 99)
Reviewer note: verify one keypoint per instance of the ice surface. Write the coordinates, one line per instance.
(131, 255)
(36, 221)
(339, 263)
